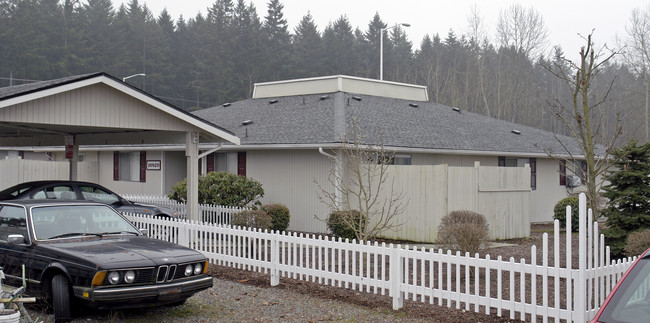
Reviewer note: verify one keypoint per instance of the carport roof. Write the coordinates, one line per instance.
(20, 125)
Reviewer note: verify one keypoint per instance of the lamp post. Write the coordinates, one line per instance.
(134, 75)
(381, 48)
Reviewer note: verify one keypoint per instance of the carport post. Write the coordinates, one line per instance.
(72, 153)
(192, 153)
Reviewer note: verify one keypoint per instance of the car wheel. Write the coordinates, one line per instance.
(61, 298)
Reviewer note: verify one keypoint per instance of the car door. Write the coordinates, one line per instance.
(13, 220)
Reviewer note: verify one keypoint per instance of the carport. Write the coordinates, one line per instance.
(99, 109)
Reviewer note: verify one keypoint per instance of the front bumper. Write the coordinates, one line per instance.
(137, 296)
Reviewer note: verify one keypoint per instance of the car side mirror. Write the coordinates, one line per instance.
(144, 232)
(15, 239)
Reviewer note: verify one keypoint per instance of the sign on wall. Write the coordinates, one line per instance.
(153, 164)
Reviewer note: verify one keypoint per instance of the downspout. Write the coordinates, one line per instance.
(337, 174)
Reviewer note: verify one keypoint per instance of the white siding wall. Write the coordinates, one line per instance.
(153, 185)
(548, 192)
(288, 177)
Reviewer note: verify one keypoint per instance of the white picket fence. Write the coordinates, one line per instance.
(525, 290)
(209, 213)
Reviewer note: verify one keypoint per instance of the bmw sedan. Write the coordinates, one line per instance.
(90, 253)
(82, 191)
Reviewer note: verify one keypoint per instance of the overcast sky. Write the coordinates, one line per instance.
(565, 19)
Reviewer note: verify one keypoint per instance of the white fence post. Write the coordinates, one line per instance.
(580, 286)
(396, 275)
(184, 234)
(275, 259)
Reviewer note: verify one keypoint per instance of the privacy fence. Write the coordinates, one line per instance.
(527, 290)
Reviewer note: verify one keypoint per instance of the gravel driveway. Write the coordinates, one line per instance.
(240, 296)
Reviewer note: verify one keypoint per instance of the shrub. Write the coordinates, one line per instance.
(464, 231)
(221, 188)
(637, 243)
(559, 212)
(279, 216)
(346, 224)
(257, 219)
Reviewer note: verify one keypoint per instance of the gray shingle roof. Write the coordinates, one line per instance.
(308, 119)
(16, 90)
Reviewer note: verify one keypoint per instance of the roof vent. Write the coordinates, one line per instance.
(247, 122)
(516, 132)
(456, 109)
(358, 98)
(324, 97)
(226, 104)
(413, 105)
(271, 101)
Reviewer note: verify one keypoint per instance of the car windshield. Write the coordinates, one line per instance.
(62, 221)
(631, 302)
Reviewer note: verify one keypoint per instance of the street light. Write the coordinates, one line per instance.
(381, 48)
(134, 75)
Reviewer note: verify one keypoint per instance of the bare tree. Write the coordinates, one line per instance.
(582, 116)
(522, 29)
(477, 35)
(637, 52)
(361, 182)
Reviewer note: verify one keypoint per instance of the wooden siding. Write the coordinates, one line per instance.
(288, 177)
(93, 106)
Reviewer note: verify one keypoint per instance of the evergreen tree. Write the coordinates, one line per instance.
(628, 191)
(307, 47)
(277, 41)
(341, 45)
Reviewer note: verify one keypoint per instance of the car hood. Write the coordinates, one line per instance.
(123, 251)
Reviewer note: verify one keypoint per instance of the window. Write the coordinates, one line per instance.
(563, 172)
(130, 166)
(533, 173)
(95, 194)
(59, 192)
(402, 160)
(12, 221)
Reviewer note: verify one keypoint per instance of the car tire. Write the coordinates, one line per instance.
(61, 298)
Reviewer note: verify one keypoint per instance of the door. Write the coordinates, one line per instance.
(13, 220)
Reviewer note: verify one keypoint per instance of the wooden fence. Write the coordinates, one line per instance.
(522, 290)
(16, 170)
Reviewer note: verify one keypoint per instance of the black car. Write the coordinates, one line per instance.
(82, 191)
(90, 253)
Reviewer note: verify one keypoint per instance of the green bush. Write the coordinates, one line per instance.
(257, 219)
(465, 231)
(279, 216)
(221, 188)
(346, 224)
(637, 243)
(560, 212)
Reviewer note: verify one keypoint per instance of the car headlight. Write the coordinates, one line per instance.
(129, 276)
(114, 277)
(198, 269)
(188, 270)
